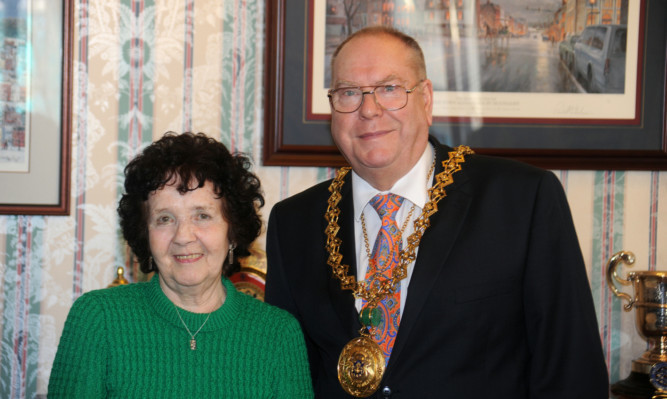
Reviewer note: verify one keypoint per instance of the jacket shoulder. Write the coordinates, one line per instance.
(315, 196)
(489, 164)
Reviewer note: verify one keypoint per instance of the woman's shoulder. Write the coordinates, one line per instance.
(104, 308)
(118, 296)
(262, 312)
(263, 309)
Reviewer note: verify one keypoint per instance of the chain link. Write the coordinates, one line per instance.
(436, 193)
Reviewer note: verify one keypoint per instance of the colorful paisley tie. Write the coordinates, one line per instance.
(384, 259)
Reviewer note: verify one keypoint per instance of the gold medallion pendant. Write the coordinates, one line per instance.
(360, 367)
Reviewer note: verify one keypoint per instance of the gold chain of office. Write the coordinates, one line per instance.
(360, 289)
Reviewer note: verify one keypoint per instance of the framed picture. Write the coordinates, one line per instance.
(504, 75)
(35, 92)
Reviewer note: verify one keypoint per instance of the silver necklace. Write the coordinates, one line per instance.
(193, 341)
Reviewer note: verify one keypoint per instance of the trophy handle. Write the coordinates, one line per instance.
(628, 258)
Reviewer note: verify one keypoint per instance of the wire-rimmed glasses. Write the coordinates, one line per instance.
(389, 97)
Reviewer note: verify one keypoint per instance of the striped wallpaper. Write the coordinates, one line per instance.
(143, 67)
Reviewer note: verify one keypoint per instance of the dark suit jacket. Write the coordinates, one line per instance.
(499, 305)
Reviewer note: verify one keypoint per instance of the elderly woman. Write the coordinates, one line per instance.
(189, 213)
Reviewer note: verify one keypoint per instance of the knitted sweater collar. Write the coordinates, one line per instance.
(223, 316)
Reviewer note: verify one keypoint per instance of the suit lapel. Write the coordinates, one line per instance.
(343, 300)
(435, 246)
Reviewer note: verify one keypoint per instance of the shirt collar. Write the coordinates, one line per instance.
(412, 186)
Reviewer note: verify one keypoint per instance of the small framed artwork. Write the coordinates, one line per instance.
(35, 93)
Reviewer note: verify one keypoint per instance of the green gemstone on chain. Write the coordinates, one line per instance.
(370, 317)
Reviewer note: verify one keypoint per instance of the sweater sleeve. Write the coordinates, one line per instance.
(293, 377)
(79, 368)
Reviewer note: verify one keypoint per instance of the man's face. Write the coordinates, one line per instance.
(377, 142)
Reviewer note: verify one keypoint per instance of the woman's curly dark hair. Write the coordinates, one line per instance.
(191, 158)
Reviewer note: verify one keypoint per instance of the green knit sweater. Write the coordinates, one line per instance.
(128, 342)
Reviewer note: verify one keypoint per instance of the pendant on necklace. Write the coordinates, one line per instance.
(361, 366)
(370, 317)
(193, 344)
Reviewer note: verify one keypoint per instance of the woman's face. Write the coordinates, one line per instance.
(188, 237)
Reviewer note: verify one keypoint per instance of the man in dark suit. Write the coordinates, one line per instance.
(496, 304)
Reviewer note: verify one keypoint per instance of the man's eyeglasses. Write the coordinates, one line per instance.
(389, 97)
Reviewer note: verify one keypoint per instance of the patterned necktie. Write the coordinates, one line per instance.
(384, 260)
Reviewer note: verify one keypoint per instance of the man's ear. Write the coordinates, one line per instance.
(427, 98)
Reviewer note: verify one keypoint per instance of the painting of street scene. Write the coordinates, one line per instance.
(502, 48)
(14, 77)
